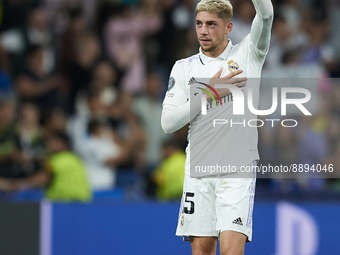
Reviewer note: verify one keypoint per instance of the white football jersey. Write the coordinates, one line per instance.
(229, 144)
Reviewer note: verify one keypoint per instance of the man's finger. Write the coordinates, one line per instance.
(232, 74)
(218, 74)
(240, 84)
(231, 81)
(239, 79)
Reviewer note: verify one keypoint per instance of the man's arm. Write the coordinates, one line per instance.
(36, 180)
(262, 24)
(177, 109)
(177, 115)
(176, 104)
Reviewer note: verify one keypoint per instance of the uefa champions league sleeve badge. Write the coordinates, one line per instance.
(171, 83)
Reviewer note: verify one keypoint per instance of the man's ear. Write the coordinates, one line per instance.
(228, 27)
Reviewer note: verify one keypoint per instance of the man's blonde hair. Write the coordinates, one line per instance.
(222, 8)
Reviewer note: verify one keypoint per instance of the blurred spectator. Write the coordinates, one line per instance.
(54, 121)
(124, 34)
(31, 137)
(318, 48)
(312, 140)
(312, 146)
(6, 86)
(64, 175)
(10, 149)
(289, 9)
(149, 109)
(80, 71)
(77, 125)
(102, 154)
(19, 40)
(242, 21)
(6, 82)
(129, 128)
(182, 17)
(167, 48)
(5, 64)
(334, 9)
(169, 176)
(76, 27)
(119, 116)
(285, 143)
(139, 36)
(333, 133)
(334, 159)
(283, 42)
(267, 136)
(14, 13)
(103, 83)
(130, 131)
(35, 85)
(58, 11)
(312, 149)
(335, 97)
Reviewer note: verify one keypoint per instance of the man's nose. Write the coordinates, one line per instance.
(204, 30)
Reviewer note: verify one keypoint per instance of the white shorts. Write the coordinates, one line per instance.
(211, 205)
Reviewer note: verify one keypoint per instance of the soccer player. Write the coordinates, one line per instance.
(217, 207)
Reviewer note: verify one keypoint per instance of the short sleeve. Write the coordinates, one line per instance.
(176, 93)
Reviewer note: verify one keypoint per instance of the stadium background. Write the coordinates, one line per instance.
(64, 64)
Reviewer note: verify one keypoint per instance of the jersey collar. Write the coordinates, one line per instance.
(224, 55)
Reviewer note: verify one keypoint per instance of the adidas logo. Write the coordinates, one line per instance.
(192, 81)
(238, 221)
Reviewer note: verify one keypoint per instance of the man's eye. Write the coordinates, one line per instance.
(211, 24)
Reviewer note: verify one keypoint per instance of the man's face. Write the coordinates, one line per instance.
(212, 32)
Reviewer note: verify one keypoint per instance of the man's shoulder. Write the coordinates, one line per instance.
(246, 45)
(244, 42)
(188, 60)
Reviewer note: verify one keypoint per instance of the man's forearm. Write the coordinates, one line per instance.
(176, 117)
(264, 8)
(262, 24)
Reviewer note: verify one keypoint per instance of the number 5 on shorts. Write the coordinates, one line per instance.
(191, 210)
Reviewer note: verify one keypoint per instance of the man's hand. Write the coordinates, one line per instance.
(228, 79)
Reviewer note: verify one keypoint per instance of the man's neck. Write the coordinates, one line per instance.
(218, 51)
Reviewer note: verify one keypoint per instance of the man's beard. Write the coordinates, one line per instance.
(209, 48)
(213, 45)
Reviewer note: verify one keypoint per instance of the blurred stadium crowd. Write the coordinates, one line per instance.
(82, 83)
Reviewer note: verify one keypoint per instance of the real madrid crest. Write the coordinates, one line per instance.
(182, 221)
(232, 66)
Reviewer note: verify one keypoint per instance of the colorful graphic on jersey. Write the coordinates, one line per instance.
(193, 81)
(207, 91)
